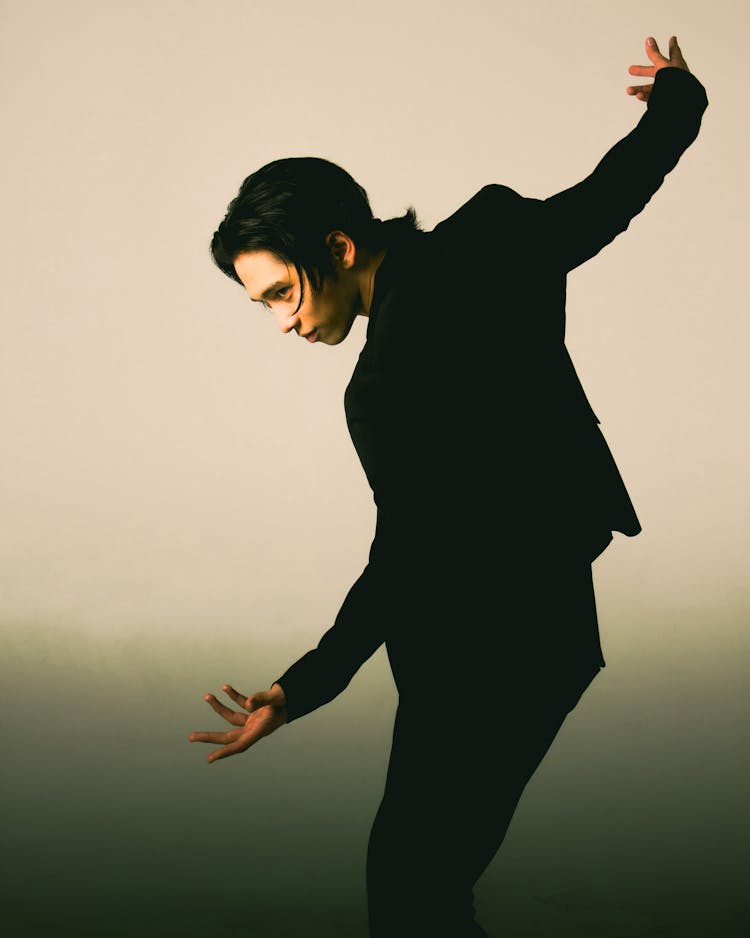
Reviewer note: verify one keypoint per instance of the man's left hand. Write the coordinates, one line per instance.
(658, 61)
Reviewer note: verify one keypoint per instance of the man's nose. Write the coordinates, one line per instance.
(287, 321)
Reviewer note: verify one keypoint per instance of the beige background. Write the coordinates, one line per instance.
(182, 505)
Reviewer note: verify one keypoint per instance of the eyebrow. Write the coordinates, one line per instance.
(269, 291)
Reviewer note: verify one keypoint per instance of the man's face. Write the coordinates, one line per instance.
(322, 317)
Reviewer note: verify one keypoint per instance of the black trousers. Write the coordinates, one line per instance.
(463, 750)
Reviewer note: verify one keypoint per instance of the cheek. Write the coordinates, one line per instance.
(336, 303)
(321, 307)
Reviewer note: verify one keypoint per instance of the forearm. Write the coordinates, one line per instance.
(325, 671)
(580, 221)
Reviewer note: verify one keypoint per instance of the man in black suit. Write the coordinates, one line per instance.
(494, 486)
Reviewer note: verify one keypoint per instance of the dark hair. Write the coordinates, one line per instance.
(289, 206)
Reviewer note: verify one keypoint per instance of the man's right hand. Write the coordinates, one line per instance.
(267, 712)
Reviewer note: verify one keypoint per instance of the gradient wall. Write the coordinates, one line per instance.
(182, 506)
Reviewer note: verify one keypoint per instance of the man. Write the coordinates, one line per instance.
(494, 487)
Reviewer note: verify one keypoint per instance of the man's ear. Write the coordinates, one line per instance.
(342, 248)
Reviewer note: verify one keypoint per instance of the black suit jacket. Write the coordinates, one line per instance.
(473, 429)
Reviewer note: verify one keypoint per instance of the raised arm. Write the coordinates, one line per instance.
(578, 222)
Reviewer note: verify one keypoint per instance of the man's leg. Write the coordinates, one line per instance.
(454, 779)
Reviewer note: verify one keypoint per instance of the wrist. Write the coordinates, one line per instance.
(279, 697)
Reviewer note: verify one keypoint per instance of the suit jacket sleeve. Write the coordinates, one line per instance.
(578, 222)
(324, 672)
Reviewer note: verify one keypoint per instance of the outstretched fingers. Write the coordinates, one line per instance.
(231, 742)
(223, 738)
(652, 51)
(231, 716)
(267, 712)
(240, 744)
(237, 697)
(658, 61)
(640, 91)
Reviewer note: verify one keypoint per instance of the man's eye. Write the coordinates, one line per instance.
(283, 293)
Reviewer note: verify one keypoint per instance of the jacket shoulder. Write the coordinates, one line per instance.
(493, 211)
(489, 197)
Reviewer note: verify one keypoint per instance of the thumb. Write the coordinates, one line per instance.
(265, 698)
(675, 54)
(262, 698)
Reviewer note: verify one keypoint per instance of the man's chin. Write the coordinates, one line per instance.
(336, 336)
